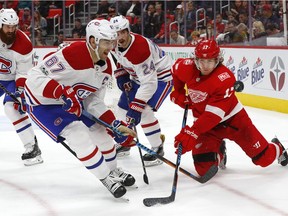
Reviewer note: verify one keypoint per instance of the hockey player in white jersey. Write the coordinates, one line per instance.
(70, 80)
(143, 73)
(16, 60)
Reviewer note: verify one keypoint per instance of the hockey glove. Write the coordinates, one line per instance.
(123, 79)
(127, 139)
(179, 98)
(71, 101)
(133, 116)
(187, 137)
(20, 106)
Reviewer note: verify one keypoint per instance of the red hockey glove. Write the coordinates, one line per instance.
(20, 106)
(127, 141)
(71, 101)
(72, 104)
(187, 137)
(133, 116)
(179, 98)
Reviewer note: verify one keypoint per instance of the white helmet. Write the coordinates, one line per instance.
(120, 23)
(8, 17)
(100, 29)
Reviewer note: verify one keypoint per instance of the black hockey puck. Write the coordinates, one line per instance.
(238, 86)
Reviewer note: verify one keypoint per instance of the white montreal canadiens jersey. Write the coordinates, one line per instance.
(146, 63)
(16, 60)
(71, 66)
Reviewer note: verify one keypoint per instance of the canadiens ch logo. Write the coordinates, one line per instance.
(83, 90)
(105, 80)
(197, 96)
(58, 121)
(5, 65)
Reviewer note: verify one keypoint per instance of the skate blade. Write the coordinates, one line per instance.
(153, 163)
(123, 154)
(222, 166)
(131, 187)
(33, 161)
(123, 199)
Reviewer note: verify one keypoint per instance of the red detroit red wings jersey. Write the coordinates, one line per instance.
(213, 97)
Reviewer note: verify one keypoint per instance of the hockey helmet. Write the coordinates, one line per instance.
(8, 17)
(100, 29)
(207, 49)
(120, 23)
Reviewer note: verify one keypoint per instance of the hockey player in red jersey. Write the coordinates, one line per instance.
(16, 60)
(217, 112)
(70, 80)
(144, 75)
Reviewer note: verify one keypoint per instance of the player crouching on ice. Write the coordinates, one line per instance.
(70, 80)
(217, 112)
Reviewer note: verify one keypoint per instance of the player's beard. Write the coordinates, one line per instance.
(7, 38)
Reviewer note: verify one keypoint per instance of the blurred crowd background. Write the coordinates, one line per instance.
(246, 22)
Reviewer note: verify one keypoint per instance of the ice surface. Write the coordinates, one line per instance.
(61, 186)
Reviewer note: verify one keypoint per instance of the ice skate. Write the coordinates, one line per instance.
(283, 158)
(125, 178)
(152, 160)
(32, 154)
(112, 183)
(222, 164)
(122, 151)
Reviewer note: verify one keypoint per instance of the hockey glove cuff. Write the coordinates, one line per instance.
(108, 117)
(133, 116)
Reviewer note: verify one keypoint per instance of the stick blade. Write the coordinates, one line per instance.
(209, 174)
(161, 200)
(145, 178)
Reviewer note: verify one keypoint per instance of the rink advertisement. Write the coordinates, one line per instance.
(263, 72)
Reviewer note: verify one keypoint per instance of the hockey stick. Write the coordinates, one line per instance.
(9, 93)
(165, 200)
(90, 116)
(145, 176)
(61, 140)
(202, 179)
(93, 118)
(14, 98)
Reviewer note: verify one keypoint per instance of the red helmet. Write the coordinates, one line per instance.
(207, 49)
